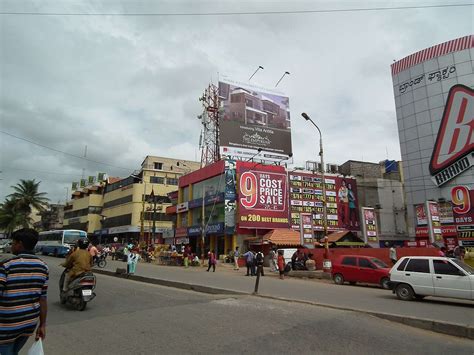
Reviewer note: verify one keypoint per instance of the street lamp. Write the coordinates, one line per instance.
(325, 221)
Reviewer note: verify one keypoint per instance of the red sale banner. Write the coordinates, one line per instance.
(263, 201)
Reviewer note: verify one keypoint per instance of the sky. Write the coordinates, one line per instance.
(128, 86)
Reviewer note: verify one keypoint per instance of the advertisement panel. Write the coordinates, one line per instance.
(253, 119)
(306, 196)
(446, 212)
(262, 196)
(369, 227)
(463, 211)
(434, 224)
(421, 219)
(230, 196)
(306, 229)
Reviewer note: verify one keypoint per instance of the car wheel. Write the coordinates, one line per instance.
(404, 292)
(419, 297)
(384, 283)
(338, 279)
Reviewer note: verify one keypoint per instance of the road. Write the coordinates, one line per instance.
(131, 317)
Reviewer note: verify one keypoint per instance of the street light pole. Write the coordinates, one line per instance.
(321, 154)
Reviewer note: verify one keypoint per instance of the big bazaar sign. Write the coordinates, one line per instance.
(262, 196)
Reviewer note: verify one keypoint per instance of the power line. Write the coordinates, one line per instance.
(39, 171)
(232, 13)
(65, 153)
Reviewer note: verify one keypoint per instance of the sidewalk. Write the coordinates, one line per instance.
(447, 316)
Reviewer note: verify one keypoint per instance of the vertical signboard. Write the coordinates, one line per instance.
(230, 196)
(369, 226)
(434, 224)
(262, 196)
(254, 121)
(306, 196)
(463, 212)
(306, 229)
(421, 219)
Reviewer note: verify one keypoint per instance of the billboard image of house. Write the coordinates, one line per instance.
(254, 119)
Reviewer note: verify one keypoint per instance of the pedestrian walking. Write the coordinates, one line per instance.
(249, 263)
(186, 256)
(281, 264)
(23, 291)
(273, 257)
(132, 261)
(211, 261)
(259, 263)
(236, 258)
(393, 255)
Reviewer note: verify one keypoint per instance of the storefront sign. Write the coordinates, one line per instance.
(306, 229)
(211, 228)
(446, 212)
(182, 207)
(181, 232)
(124, 229)
(369, 228)
(446, 231)
(451, 155)
(434, 224)
(181, 241)
(262, 196)
(421, 219)
(463, 210)
(230, 196)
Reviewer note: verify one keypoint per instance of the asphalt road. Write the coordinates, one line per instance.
(131, 317)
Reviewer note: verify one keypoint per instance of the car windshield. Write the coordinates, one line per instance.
(379, 263)
(463, 266)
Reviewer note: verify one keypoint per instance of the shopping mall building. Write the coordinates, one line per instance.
(434, 100)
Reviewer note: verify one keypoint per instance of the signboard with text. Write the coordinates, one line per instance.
(463, 211)
(262, 196)
(434, 224)
(369, 227)
(254, 118)
(306, 196)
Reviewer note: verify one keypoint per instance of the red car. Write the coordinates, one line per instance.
(359, 268)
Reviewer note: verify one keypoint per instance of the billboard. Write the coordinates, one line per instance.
(262, 196)
(253, 119)
(369, 226)
(463, 211)
(434, 224)
(305, 196)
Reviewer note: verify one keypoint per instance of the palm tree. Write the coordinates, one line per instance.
(26, 197)
(10, 217)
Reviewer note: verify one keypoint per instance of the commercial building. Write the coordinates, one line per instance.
(434, 101)
(380, 186)
(127, 208)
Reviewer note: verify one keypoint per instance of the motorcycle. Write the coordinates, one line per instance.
(100, 261)
(79, 291)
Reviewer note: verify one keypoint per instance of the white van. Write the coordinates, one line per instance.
(421, 276)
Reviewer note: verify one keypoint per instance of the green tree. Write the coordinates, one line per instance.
(10, 217)
(26, 196)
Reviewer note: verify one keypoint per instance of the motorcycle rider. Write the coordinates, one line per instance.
(77, 263)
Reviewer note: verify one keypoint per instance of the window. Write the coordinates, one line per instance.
(365, 263)
(444, 267)
(172, 181)
(157, 180)
(351, 261)
(418, 265)
(158, 166)
(402, 265)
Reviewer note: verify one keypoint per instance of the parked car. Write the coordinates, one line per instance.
(420, 276)
(359, 268)
(6, 246)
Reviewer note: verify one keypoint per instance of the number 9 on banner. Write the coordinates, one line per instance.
(461, 199)
(248, 188)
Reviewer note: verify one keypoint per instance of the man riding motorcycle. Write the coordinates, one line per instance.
(77, 263)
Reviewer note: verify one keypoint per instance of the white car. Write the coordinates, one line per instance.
(421, 276)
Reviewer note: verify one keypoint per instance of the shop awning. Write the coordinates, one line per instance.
(282, 236)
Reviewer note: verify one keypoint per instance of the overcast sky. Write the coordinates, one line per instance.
(128, 86)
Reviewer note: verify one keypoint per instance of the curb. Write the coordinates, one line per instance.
(454, 329)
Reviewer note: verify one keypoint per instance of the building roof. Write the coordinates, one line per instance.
(283, 236)
(343, 236)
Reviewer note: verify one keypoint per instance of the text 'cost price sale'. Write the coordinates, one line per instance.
(262, 196)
